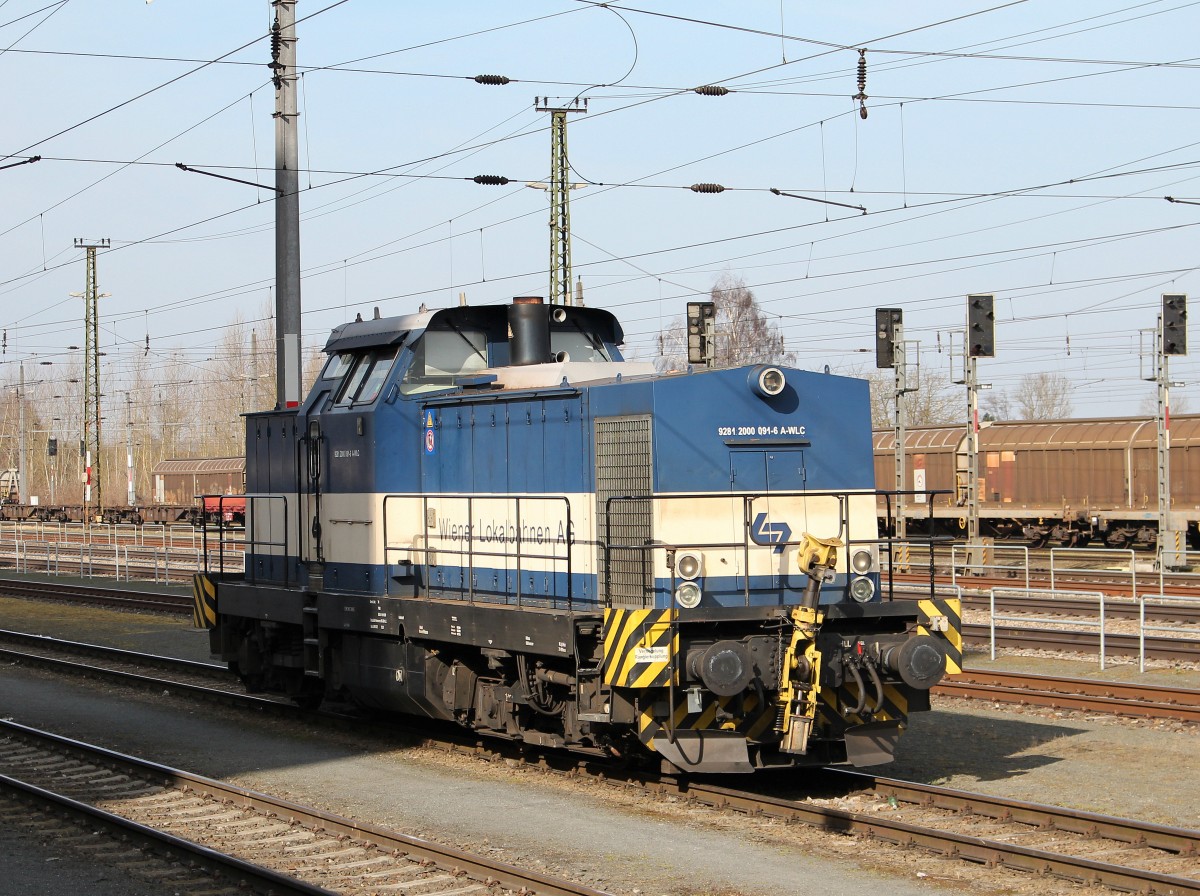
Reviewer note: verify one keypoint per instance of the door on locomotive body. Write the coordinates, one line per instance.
(348, 388)
(773, 515)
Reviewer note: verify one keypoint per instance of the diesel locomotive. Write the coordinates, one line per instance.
(486, 515)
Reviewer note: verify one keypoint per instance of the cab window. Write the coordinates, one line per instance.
(440, 357)
(365, 379)
(577, 345)
(336, 367)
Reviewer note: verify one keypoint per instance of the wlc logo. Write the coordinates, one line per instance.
(765, 532)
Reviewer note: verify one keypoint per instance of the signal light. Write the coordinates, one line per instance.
(981, 327)
(1174, 325)
(701, 319)
(52, 447)
(886, 321)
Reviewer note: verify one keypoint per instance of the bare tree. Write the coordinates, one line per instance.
(1043, 396)
(744, 334)
(1180, 404)
(936, 401)
(996, 404)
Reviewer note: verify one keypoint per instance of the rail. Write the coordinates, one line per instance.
(962, 557)
(1119, 555)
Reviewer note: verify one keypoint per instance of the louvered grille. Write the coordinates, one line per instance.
(624, 475)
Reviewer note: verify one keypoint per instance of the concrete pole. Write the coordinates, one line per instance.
(900, 431)
(130, 497)
(287, 209)
(22, 479)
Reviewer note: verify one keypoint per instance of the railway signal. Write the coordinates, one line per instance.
(1174, 325)
(701, 333)
(886, 322)
(981, 327)
(889, 352)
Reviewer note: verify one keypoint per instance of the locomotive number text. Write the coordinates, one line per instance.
(762, 430)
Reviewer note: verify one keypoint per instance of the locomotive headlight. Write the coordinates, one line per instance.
(862, 589)
(687, 595)
(863, 561)
(689, 565)
(767, 381)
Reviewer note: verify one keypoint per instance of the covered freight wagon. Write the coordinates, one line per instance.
(1063, 481)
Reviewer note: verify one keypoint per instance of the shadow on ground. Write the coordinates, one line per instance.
(943, 744)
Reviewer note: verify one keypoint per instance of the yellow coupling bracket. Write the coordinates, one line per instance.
(799, 683)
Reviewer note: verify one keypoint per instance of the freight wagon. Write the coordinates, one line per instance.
(1063, 482)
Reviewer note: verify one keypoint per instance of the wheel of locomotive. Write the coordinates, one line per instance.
(254, 684)
(311, 695)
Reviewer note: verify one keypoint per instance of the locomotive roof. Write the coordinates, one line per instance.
(380, 331)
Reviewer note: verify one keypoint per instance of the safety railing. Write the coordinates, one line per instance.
(638, 570)
(1057, 621)
(519, 538)
(263, 542)
(160, 565)
(988, 560)
(1174, 630)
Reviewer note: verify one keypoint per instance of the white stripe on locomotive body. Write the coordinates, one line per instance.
(721, 518)
(543, 530)
(558, 533)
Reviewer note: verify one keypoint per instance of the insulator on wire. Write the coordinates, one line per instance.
(276, 45)
(861, 96)
(491, 180)
(498, 80)
(711, 90)
(707, 188)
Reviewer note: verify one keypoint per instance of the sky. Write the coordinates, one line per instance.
(1021, 149)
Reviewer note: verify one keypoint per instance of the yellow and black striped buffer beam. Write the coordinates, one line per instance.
(942, 618)
(639, 648)
(834, 715)
(204, 601)
(742, 714)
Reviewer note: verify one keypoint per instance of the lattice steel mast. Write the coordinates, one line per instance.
(560, 203)
(93, 465)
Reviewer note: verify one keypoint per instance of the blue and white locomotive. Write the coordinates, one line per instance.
(485, 514)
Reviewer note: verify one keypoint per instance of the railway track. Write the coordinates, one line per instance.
(977, 828)
(1085, 642)
(116, 597)
(1088, 848)
(274, 845)
(1085, 695)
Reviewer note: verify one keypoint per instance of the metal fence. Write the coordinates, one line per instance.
(162, 564)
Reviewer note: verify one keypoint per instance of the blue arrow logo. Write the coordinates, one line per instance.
(764, 532)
